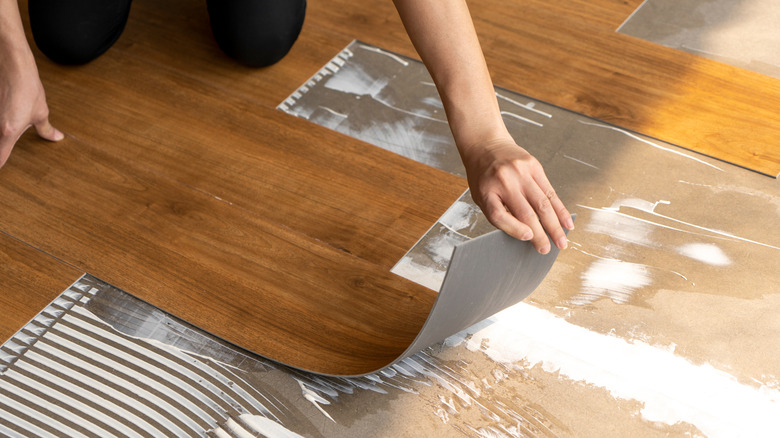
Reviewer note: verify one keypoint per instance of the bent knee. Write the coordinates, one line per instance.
(76, 32)
(256, 33)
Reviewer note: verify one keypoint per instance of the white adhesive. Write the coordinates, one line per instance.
(614, 279)
(355, 81)
(581, 162)
(705, 253)
(314, 398)
(237, 430)
(671, 388)
(440, 247)
(162, 363)
(529, 106)
(638, 138)
(267, 427)
(77, 411)
(622, 228)
(708, 232)
(392, 56)
(153, 363)
(97, 390)
(459, 216)
(521, 118)
(122, 376)
(9, 418)
(429, 276)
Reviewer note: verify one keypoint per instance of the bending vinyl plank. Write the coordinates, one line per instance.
(254, 283)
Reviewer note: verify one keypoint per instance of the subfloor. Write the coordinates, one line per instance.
(659, 321)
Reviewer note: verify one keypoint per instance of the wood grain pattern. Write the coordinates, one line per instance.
(180, 183)
(30, 281)
(259, 284)
(257, 226)
(565, 53)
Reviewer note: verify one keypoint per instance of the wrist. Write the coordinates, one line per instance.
(480, 141)
(15, 52)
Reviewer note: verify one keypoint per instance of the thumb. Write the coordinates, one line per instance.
(47, 131)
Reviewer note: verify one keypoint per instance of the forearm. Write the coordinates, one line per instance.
(506, 182)
(14, 49)
(443, 34)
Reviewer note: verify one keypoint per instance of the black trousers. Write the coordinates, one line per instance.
(256, 33)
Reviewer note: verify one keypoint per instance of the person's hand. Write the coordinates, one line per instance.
(511, 188)
(22, 104)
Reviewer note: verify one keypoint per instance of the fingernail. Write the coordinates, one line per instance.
(545, 249)
(562, 243)
(569, 224)
(528, 236)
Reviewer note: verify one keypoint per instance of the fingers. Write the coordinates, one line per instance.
(47, 131)
(8, 138)
(531, 211)
(543, 205)
(520, 207)
(564, 217)
(517, 219)
(498, 215)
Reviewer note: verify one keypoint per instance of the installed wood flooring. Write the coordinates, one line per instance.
(180, 183)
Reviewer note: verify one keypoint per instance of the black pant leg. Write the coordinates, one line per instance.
(256, 33)
(77, 31)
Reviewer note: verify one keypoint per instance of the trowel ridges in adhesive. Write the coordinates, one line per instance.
(68, 372)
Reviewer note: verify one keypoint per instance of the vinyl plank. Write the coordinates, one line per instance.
(696, 103)
(254, 225)
(564, 53)
(568, 55)
(353, 196)
(31, 279)
(255, 283)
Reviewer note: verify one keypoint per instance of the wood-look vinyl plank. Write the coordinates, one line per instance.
(353, 196)
(257, 226)
(576, 60)
(712, 108)
(563, 53)
(550, 51)
(31, 280)
(256, 283)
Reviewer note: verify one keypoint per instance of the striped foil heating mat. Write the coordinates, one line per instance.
(67, 372)
(98, 362)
